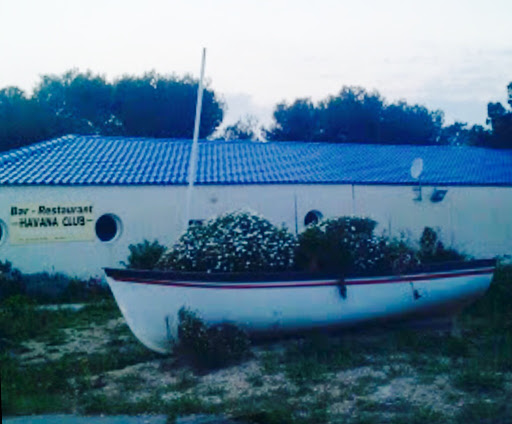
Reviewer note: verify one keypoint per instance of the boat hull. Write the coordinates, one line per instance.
(150, 301)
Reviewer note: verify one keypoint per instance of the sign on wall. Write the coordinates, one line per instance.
(35, 223)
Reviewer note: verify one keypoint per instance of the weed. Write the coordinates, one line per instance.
(130, 382)
(418, 415)
(396, 370)
(186, 405)
(271, 362)
(311, 358)
(39, 388)
(368, 405)
(476, 380)
(215, 391)
(364, 418)
(277, 410)
(255, 380)
(21, 319)
(485, 412)
(366, 385)
(118, 404)
(305, 370)
(186, 380)
(210, 347)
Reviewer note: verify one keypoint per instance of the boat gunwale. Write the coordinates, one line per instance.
(298, 279)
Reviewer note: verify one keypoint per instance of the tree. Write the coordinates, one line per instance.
(81, 102)
(355, 115)
(243, 129)
(298, 121)
(163, 106)
(406, 124)
(458, 134)
(500, 120)
(85, 103)
(22, 120)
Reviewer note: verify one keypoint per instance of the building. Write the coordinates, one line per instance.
(76, 203)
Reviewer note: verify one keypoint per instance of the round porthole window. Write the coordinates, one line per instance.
(313, 217)
(108, 227)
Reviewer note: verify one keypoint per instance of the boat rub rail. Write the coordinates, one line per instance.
(297, 279)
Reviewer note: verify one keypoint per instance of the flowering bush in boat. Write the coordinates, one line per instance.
(348, 245)
(239, 241)
(343, 245)
(432, 249)
(242, 241)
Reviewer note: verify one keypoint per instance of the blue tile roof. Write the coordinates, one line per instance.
(98, 160)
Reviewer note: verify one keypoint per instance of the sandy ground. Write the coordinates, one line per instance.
(396, 383)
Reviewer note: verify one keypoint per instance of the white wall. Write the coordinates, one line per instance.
(476, 220)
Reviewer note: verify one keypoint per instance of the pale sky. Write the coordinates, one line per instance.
(454, 55)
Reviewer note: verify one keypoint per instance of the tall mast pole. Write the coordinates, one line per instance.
(192, 165)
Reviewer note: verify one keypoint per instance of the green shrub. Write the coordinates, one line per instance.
(337, 245)
(432, 249)
(210, 347)
(145, 255)
(234, 242)
(348, 245)
(10, 281)
(43, 287)
(18, 318)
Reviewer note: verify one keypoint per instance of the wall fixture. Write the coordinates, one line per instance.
(3, 231)
(438, 195)
(417, 191)
(416, 171)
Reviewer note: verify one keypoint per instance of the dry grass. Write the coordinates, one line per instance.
(95, 365)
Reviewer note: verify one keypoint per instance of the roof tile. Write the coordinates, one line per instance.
(98, 160)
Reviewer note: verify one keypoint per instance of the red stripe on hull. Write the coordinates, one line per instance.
(353, 282)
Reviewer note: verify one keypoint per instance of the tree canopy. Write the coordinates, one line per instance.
(356, 115)
(244, 129)
(500, 120)
(154, 105)
(151, 105)
(23, 120)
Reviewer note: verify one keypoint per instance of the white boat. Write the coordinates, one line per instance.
(150, 300)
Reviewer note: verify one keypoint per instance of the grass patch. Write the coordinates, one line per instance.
(210, 347)
(495, 412)
(255, 380)
(36, 389)
(186, 380)
(46, 387)
(477, 364)
(475, 380)
(310, 359)
(366, 385)
(21, 319)
(420, 415)
(119, 405)
(280, 410)
(271, 362)
(400, 412)
(152, 404)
